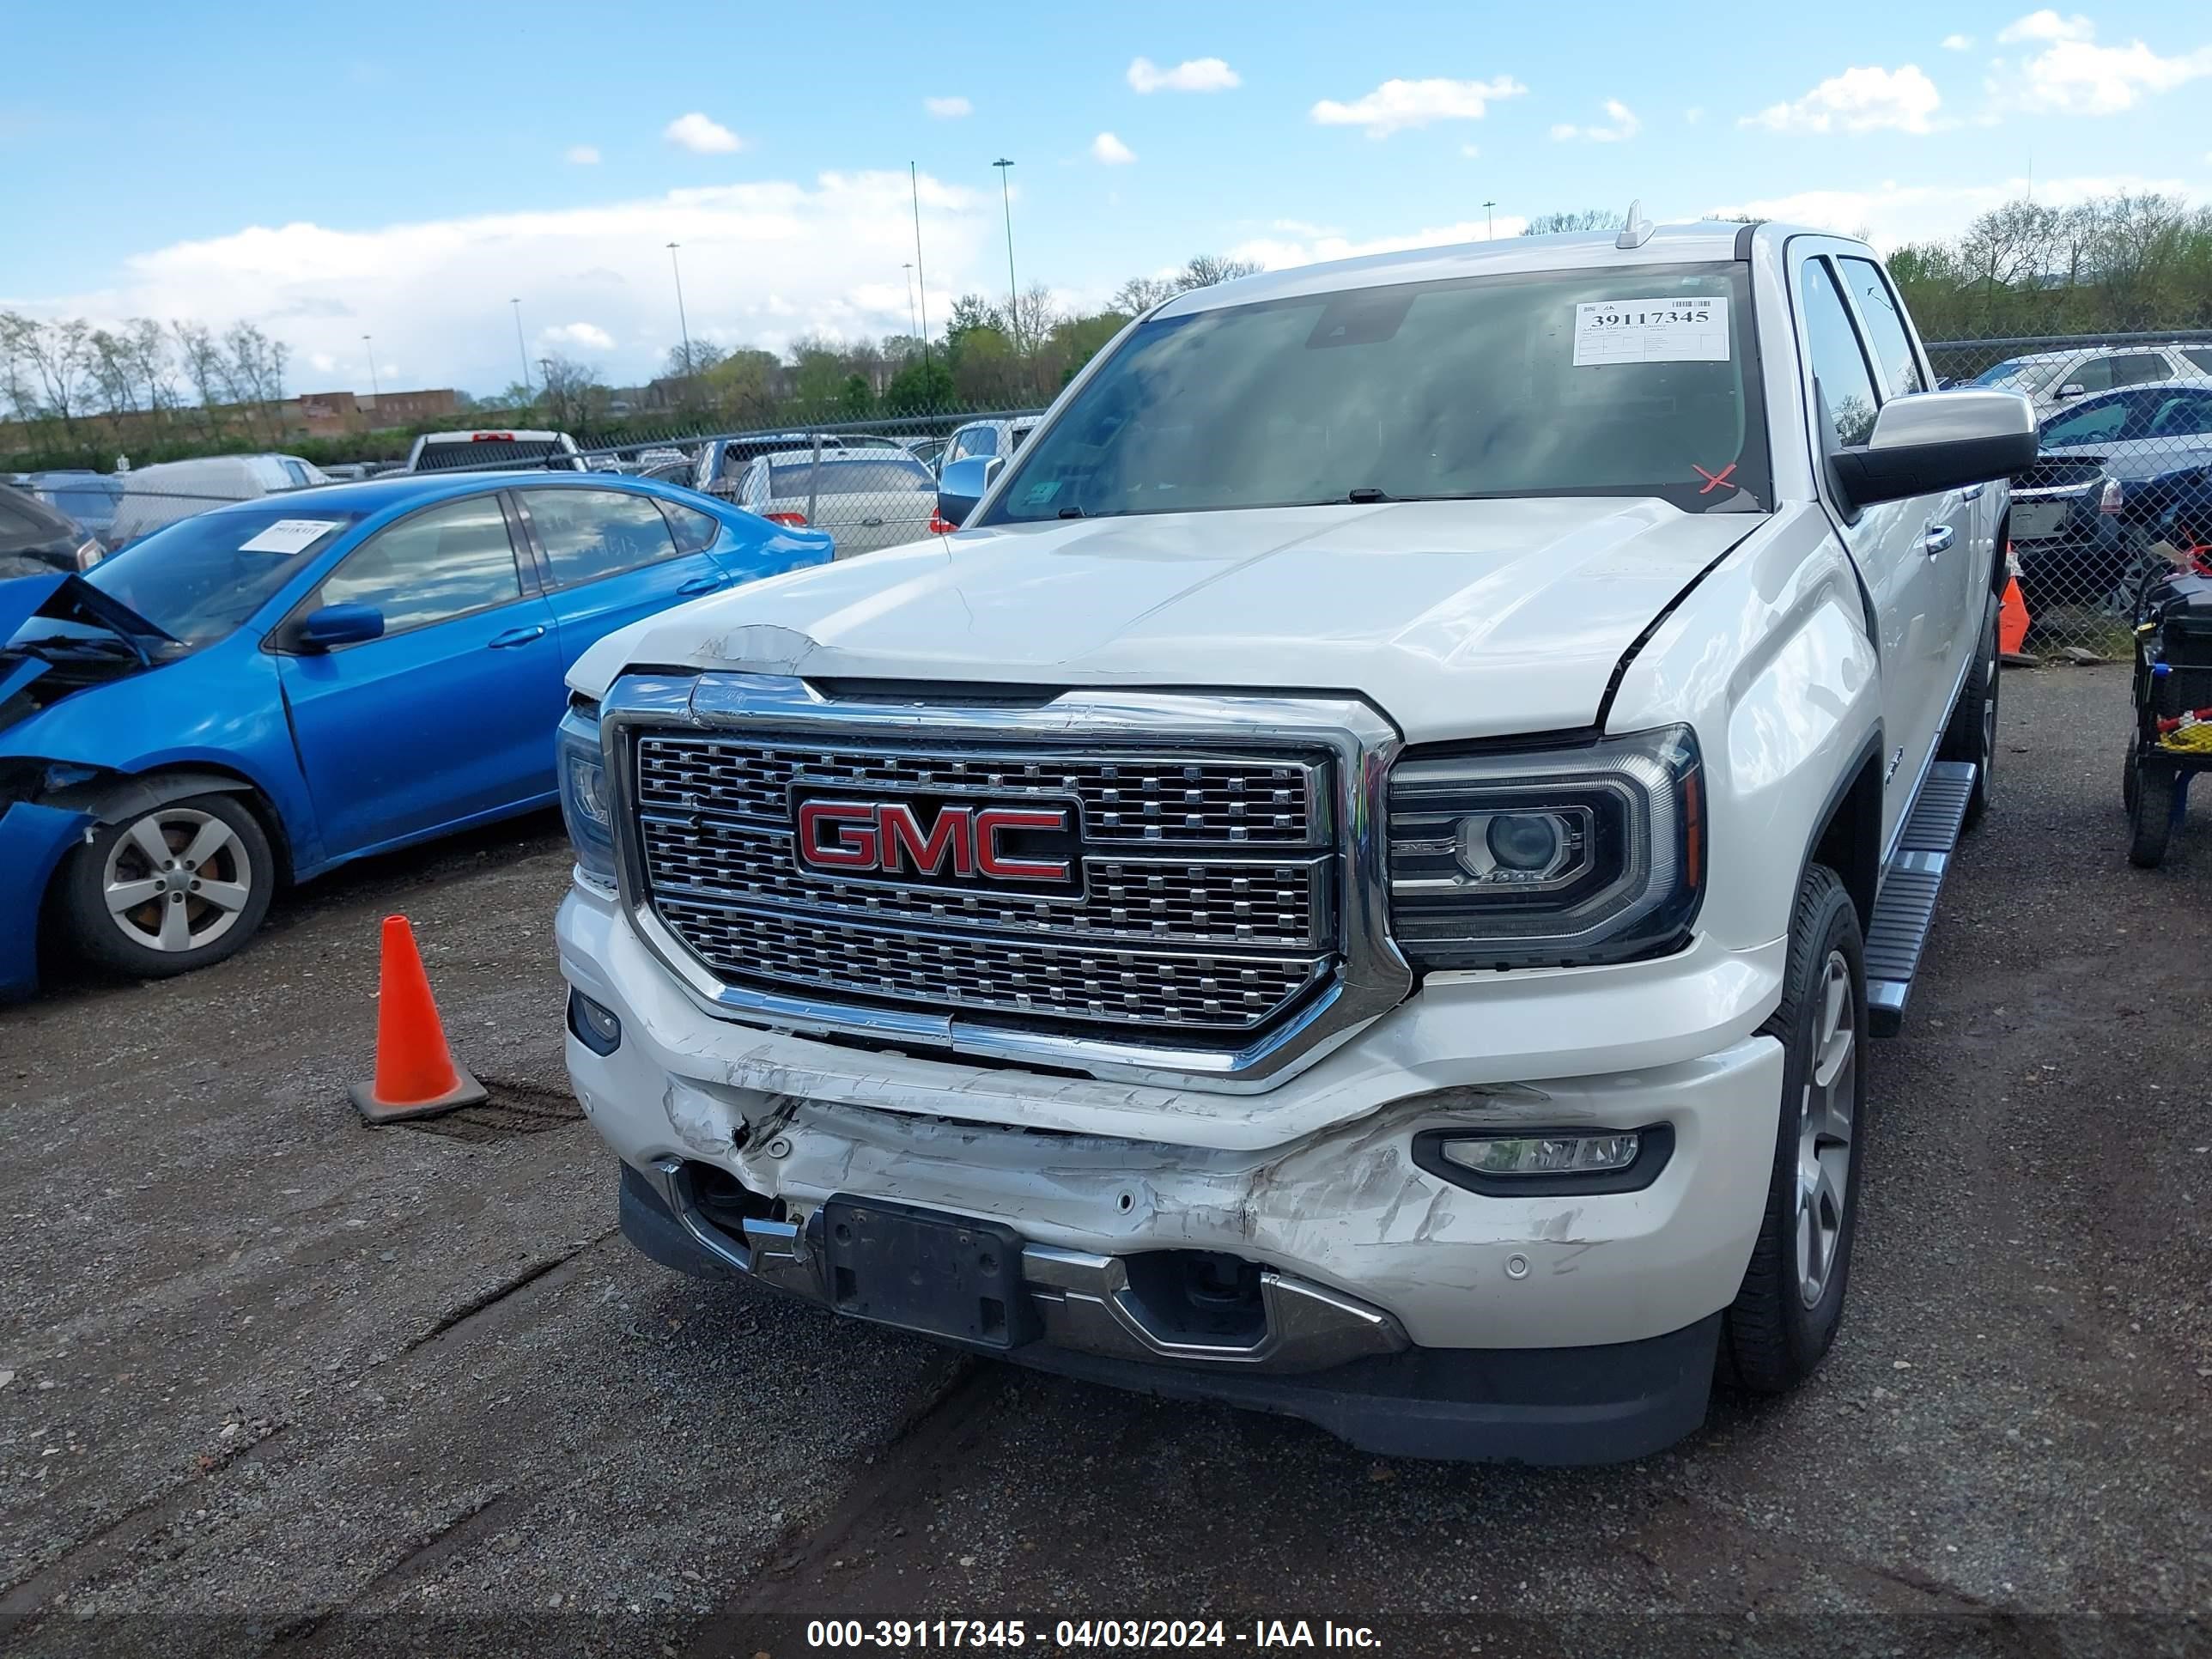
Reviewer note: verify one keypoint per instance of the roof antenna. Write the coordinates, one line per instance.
(1637, 231)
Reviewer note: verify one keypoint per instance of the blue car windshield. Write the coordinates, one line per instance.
(199, 579)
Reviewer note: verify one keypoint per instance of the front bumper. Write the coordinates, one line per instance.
(1402, 1309)
(34, 841)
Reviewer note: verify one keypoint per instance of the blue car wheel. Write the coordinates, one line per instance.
(175, 888)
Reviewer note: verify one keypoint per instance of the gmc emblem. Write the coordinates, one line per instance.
(943, 842)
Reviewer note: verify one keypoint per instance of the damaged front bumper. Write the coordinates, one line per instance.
(1400, 1309)
(34, 841)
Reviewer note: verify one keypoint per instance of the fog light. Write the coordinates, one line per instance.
(595, 1027)
(1545, 1155)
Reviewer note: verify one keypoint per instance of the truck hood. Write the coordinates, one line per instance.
(1456, 618)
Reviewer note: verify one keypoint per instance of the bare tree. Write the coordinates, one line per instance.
(1551, 224)
(1140, 293)
(1205, 270)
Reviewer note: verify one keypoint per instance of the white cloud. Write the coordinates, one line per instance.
(1892, 213)
(590, 336)
(582, 156)
(2047, 25)
(1277, 255)
(1110, 150)
(1958, 43)
(763, 263)
(1624, 126)
(1192, 75)
(2072, 75)
(321, 362)
(1694, 114)
(948, 109)
(701, 136)
(1397, 105)
(1858, 101)
(1470, 151)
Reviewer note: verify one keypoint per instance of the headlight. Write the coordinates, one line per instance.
(587, 803)
(1549, 857)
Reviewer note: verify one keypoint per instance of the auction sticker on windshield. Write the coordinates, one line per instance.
(290, 535)
(1684, 329)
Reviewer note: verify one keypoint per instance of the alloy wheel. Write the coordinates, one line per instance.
(177, 879)
(1824, 1130)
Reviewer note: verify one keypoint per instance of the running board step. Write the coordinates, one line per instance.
(1906, 908)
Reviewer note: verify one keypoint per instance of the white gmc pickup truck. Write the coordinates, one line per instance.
(1355, 884)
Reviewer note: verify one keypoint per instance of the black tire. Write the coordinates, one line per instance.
(240, 867)
(2128, 782)
(1773, 1336)
(2150, 815)
(1972, 736)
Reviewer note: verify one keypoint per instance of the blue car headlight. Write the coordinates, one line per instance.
(586, 800)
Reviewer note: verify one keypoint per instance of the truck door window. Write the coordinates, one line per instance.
(1841, 381)
(1885, 326)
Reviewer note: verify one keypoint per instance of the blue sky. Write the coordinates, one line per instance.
(404, 171)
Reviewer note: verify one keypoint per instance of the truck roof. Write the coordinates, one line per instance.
(1700, 242)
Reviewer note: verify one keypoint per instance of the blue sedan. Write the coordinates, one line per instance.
(259, 694)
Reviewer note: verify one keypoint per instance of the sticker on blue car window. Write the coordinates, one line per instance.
(290, 535)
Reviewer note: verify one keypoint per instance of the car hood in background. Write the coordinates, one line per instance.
(1456, 618)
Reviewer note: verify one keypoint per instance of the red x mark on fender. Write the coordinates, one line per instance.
(1713, 480)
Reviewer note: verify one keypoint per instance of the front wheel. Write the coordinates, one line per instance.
(1791, 1301)
(2150, 814)
(170, 889)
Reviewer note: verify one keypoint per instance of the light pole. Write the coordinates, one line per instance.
(522, 351)
(375, 393)
(1014, 295)
(920, 278)
(681, 322)
(1489, 227)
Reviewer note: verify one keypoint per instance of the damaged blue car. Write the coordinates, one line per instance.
(253, 697)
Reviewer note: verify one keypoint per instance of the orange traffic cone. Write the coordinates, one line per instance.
(2012, 619)
(416, 1076)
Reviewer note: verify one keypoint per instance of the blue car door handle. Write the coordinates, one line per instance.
(518, 636)
(698, 585)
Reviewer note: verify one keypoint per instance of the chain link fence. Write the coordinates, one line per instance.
(2123, 488)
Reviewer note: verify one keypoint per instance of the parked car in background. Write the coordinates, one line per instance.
(660, 455)
(927, 451)
(35, 537)
(89, 498)
(2054, 379)
(161, 494)
(865, 499)
(721, 462)
(984, 439)
(345, 472)
(2117, 471)
(440, 452)
(266, 691)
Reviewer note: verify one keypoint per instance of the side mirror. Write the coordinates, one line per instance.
(338, 624)
(962, 483)
(1938, 440)
(2073, 389)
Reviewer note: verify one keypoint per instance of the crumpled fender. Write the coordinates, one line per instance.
(34, 841)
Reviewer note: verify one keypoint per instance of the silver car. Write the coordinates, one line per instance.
(865, 499)
(2054, 379)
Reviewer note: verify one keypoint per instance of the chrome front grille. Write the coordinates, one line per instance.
(1207, 902)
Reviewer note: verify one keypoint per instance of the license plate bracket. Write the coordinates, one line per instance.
(921, 1270)
(2035, 521)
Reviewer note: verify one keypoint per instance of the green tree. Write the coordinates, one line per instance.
(920, 388)
(856, 400)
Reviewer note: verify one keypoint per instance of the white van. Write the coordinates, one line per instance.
(160, 494)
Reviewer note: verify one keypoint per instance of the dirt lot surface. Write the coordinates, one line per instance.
(272, 1380)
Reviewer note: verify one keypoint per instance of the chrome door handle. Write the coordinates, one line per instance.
(1939, 537)
(516, 636)
(1972, 492)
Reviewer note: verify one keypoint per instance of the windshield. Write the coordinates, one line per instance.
(2016, 374)
(199, 579)
(1611, 382)
(869, 477)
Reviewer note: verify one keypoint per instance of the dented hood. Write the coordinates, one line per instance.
(60, 634)
(1456, 618)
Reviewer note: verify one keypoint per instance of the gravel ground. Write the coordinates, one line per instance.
(271, 1379)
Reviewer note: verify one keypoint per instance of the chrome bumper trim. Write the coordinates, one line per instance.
(1084, 1300)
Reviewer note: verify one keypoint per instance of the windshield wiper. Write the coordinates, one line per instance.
(1070, 513)
(1367, 497)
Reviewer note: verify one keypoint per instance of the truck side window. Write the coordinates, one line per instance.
(1885, 327)
(1840, 378)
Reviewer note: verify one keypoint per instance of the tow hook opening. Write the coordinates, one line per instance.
(1194, 1296)
(726, 1203)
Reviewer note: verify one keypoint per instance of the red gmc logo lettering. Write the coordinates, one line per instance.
(887, 837)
